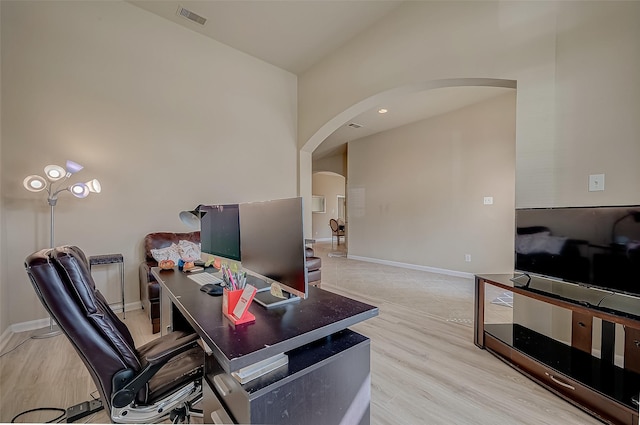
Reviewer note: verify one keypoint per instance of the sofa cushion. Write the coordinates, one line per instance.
(313, 263)
(314, 276)
(171, 252)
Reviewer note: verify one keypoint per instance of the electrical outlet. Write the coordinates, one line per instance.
(467, 258)
(488, 200)
(596, 182)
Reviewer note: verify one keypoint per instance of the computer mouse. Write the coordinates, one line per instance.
(215, 291)
(211, 289)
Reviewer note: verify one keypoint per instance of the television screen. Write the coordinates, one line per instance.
(272, 241)
(596, 246)
(220, 231)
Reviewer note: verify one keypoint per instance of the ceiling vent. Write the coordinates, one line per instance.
(186, 13)
(354, 125)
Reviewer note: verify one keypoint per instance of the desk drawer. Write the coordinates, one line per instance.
(312, 389)
(213, 411)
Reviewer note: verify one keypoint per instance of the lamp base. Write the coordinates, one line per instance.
(51, 331)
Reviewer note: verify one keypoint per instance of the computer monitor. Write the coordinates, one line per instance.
(272, 245)
(220, 231)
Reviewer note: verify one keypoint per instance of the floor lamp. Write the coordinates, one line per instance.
(54, 184)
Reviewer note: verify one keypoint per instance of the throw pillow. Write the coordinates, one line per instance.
(169, 253)
(189, 250)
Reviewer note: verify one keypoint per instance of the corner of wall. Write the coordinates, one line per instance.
(4, 308)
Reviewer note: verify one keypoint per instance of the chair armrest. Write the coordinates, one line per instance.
(165, 351)
(126, 383)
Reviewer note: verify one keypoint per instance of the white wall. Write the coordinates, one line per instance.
(4, 290)
(329, 185)
(164, 117)
(577, 67)
(415, 193)
(335, 163)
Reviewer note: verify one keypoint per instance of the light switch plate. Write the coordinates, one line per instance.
(596, 182)
(488, 200)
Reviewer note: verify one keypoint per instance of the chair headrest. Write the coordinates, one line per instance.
(74, 265)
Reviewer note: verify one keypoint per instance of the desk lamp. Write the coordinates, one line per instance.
(192, 218)
(54, 184)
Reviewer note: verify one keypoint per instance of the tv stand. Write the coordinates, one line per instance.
(548, 335)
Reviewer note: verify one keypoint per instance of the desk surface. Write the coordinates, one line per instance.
(275, 330)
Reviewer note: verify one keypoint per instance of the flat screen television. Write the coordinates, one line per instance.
(220, 231)
(593, 246)
(272, 245)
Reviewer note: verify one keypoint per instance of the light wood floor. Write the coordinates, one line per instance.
(425, 367)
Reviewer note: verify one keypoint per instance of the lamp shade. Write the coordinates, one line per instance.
(94, 186)
(191, 219)
(79, 190)
(54, 172)
(34, 183)
(73, 167)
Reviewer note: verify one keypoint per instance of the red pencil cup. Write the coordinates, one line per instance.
(230, 301)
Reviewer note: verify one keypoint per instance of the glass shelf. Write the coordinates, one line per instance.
(610, 302)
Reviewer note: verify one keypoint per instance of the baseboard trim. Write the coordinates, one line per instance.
(29, 326)
(117, 307)
(322, 239)
(447, 272)
(4, 338)
(43, 323)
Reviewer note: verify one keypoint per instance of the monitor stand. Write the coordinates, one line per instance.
(268, 301)
(260, 284)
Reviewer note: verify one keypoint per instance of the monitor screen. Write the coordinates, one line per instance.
(220, 231)
(272, 241)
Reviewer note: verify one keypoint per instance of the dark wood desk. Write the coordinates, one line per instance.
(312, 332)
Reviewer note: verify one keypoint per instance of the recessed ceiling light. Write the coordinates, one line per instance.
(382, 111)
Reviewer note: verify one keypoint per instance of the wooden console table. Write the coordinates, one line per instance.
(548, 335)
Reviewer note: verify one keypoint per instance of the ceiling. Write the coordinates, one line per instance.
(406, 110)
(296, 34)
(290, 34)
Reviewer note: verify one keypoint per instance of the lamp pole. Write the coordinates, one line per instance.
(54, 329)
(55, 173)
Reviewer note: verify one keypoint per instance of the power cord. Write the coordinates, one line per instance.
(14, 348)
(604, 298)
(63, 412)
(38, 409)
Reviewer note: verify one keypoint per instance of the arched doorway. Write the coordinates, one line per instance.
(330, 187)
(374, 102)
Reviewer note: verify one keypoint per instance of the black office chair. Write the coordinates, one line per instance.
(159, 379)
(336, 230)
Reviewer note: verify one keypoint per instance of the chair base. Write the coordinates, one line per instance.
(184, 398)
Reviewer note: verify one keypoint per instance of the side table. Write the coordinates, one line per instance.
(101, 260)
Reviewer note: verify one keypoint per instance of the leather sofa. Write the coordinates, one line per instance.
(149, 287)
(313, 265)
